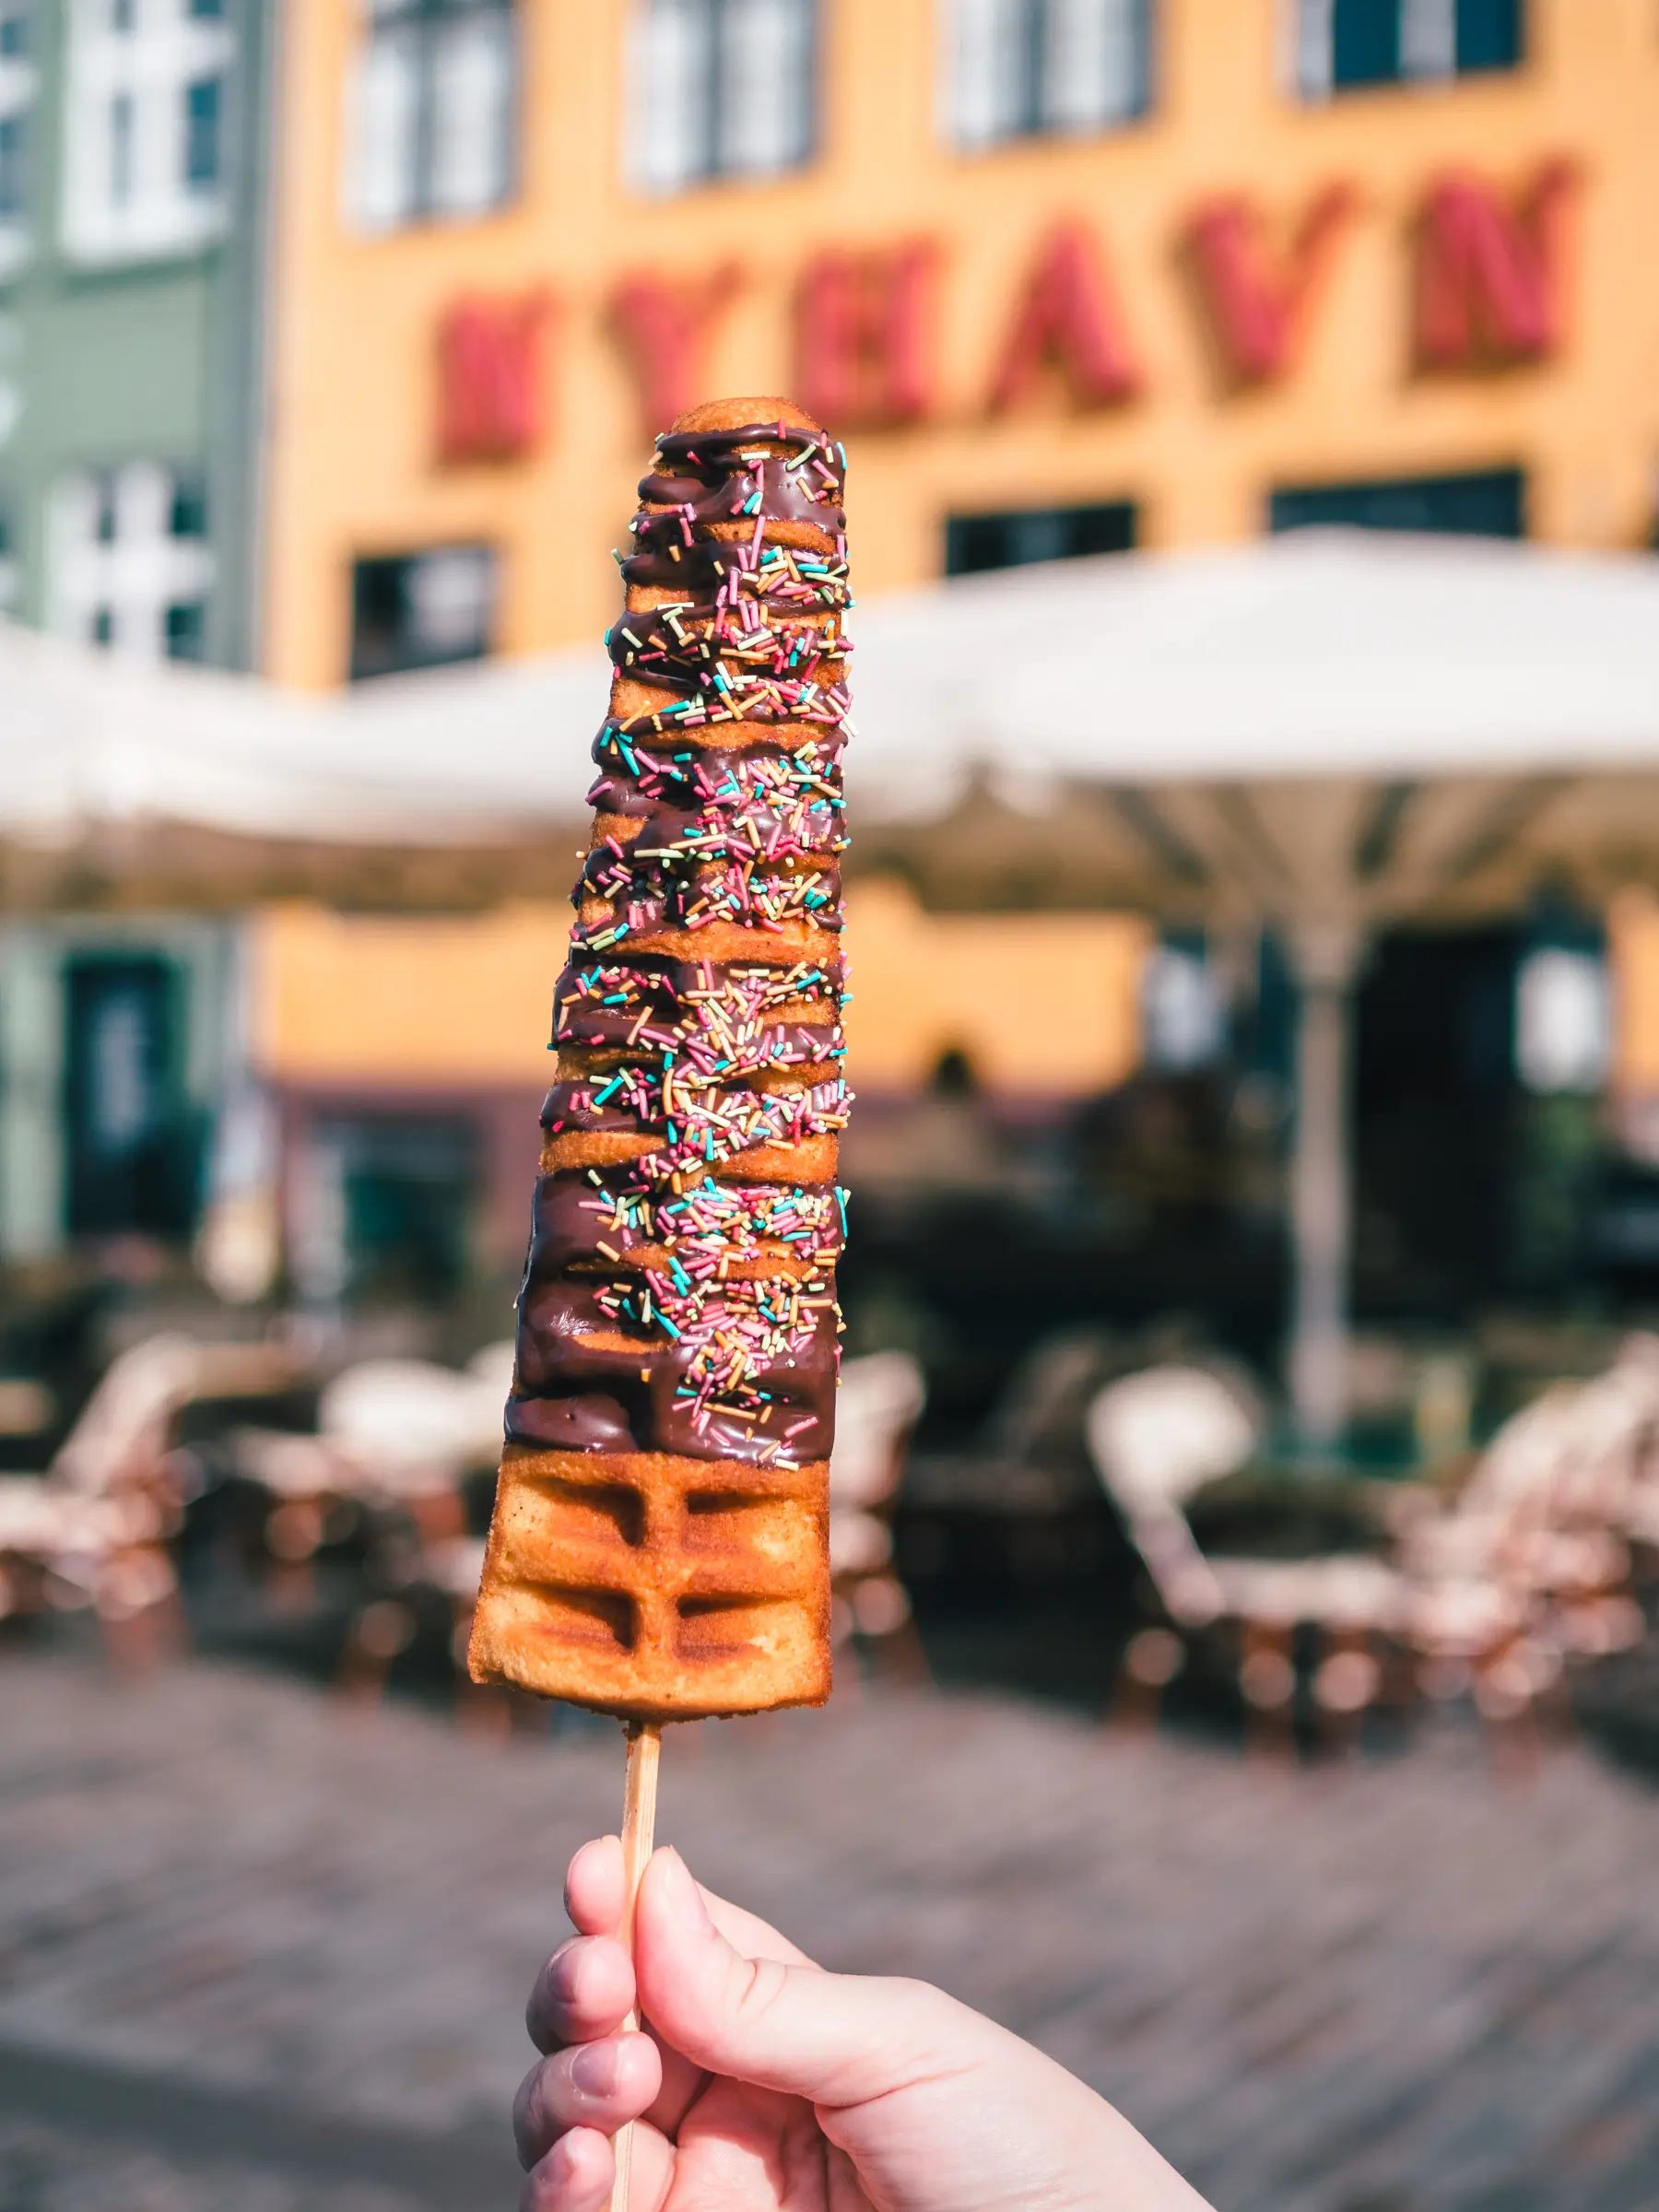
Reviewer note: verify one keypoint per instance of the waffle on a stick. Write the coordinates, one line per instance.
(659, 1548)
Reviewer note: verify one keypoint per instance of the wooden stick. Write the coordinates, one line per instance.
(639, 1828)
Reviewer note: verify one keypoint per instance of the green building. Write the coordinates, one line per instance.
(132, 230)
(133, 146)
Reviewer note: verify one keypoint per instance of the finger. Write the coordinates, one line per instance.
(585, 1990)
(580, 2173)
(683, 2079)
(575, 2176)
(601, 2085)
(836, 2039)
(595, 1886)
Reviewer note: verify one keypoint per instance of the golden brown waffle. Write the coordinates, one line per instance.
(654, 1586)
(659, 1547)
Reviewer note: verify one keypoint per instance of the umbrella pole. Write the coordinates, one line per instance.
(1326, 958)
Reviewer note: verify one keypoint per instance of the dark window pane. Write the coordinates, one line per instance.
(103, 626)
(410, 1190)
(204, 105)
(130, 1132)
(1490, 503)
(186, 631)
(207, 11)
(1489, 34)
(1365, 41)
(14, 32)
(104, 527)
(1018, 536)
(14, 166)
(1031, 33)
(422, 610)
(188, 517)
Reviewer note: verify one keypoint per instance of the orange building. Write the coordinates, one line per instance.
(1066, 274)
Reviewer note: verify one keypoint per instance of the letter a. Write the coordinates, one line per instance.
(1067, 318)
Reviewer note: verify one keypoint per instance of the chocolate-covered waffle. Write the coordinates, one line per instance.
(659, 1545)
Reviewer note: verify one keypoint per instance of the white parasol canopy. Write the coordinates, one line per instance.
(1318, 654)
(1327, 731)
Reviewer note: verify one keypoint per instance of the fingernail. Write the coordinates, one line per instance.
(597, 2068)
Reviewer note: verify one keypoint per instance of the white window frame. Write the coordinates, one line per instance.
(149, 67)
(1089, 74)
(19, 90)
(432, 113)
(722, 92)
(133, 576)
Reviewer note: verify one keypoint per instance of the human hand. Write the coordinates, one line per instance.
(763, 2084)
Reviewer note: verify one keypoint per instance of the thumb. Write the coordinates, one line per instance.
(836, 2039)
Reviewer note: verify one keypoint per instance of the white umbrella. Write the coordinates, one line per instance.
(1325, 731)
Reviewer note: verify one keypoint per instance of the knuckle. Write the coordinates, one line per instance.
(759, 1983)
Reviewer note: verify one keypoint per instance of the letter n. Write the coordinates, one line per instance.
(1491, 274)
(490, 383)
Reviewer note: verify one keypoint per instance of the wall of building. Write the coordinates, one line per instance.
(135, 351)
(399, 1003)
(355, 464)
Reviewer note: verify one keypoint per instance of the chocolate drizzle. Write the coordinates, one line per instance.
(671, 1302)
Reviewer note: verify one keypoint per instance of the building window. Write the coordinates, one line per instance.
(204, 107)
(1486, 503)
(975, 542)
(145, 160)
(722, 88)
(11, 581)
(18, 86)
(384, 1207)
(433, 112)
(185, 628)
(1346, 44)
(129, 1131)
(129, 566)
(1037, 68)
(422, 610)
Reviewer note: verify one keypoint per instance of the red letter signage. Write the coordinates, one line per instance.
(1489, 275)
(863, 336)
(489, 386)
(665, 328)
(1067, 318)
(1257, 311)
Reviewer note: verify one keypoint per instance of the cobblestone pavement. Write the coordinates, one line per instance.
(261, 1950)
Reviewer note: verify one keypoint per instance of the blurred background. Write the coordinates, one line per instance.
(1246, 1510)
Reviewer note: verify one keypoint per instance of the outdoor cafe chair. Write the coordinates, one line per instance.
(877, 1409)
(400, 1437)
(1536, 1552)
(94, 1530)
(1156, 1438)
